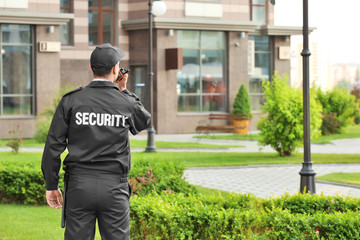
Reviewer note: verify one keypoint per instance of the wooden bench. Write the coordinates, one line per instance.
(222, 128)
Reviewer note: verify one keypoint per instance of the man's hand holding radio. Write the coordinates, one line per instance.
(122, 83)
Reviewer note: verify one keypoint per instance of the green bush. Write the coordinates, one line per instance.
(168, 176)
(339, 109)
(21, 181)
(42, 128)
(44, 121)
(175, 216)
(282, 127)
(241, 103)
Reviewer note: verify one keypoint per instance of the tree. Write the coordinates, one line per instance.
(282, 127)
(241, 103)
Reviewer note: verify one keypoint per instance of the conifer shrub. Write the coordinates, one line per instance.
(241, 103)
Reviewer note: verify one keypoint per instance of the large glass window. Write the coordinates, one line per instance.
(261, 69)
(139, 76)
(101, 22)
(16, 76)
(201, 83)
(66, 30)
(258, 11)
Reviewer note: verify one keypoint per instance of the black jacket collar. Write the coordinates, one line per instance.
(101, 84)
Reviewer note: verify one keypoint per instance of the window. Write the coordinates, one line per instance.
(16, 78)
(139, 76)
(258, 11)
(101, 22)
(201, 83)
(261, 71)
(66, 30)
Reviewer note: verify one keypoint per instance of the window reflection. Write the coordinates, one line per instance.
(201, 82)
(262, 70)
(17, 95)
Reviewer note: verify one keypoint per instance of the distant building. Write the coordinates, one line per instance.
(223, 43)
(320, 65)
(346, 75)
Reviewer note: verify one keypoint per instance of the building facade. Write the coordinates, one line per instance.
(203, 50)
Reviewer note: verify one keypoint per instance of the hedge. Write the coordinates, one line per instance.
(176, 216)
(21, 181)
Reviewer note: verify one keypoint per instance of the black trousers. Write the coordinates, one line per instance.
(97, 195)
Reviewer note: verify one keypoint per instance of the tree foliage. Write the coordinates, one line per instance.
(339, 108)
(282, 127)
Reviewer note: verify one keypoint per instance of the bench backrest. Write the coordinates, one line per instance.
(228, 116)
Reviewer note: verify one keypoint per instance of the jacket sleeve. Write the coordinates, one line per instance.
(140, 118)
(54, 146)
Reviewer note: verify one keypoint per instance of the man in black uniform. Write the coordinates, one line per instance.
(93, 124)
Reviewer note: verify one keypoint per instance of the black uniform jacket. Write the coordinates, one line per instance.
(93, 124)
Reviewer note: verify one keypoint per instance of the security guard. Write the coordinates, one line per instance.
(93, 124)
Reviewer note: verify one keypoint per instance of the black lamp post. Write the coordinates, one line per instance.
(307, 174)
(307, 179)
(157, 8)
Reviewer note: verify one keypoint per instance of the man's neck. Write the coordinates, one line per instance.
(102, 78)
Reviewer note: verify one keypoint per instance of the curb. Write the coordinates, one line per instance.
(338, 184)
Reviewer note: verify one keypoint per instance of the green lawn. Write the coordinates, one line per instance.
(249, 137)
(21, 222)
(349, 178)
(352, 131)
(203, 159)
(24, 222)
(162, 144)
(141, 144)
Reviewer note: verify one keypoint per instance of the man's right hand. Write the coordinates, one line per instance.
(54, 198)
(122, 83)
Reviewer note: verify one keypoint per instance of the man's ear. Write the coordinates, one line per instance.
(91, 67)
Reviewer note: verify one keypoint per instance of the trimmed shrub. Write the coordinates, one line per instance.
(175, 216)
(241, 103)
(282, 127)
(21, 181)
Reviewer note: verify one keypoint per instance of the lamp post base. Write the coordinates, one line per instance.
(307, 179)
(150, 141)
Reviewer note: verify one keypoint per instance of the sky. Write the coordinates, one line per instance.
(337, 25)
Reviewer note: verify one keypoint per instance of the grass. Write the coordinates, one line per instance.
(352, 131)
(348, 178)
(162, 144)
(141, 144)
(26, 143)
(349, 132)
(248, 137)
(203, 159)
(22, 222)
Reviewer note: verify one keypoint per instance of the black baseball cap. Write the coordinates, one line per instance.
(105, 56)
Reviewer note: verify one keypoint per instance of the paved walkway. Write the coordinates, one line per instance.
(270, 180)
(262, 181)
(342, 146)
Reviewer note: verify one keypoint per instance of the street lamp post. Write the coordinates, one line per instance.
(307, 174)
(307, 179)
(157, 8)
